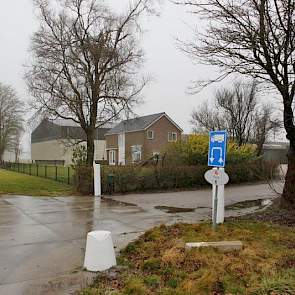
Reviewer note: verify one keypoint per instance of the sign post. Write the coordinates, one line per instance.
(215, 204)
(217, 176)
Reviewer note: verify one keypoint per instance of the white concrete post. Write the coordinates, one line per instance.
(100, 253)
(220, 204)
(97, 180)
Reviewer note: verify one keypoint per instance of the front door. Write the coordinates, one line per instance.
(121, 146)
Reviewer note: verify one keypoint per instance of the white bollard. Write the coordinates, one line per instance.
(220, 204)
(97, 180)
(100, 254)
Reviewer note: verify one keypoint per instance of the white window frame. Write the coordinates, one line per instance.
(172, 134)
(112, 157)
(136, 155)
(153, 134)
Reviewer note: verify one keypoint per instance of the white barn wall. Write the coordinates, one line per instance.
(58, 150)
(9, 156)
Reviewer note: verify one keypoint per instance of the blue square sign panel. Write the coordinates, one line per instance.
(217, 148)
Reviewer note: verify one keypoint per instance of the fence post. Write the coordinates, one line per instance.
(97, 180)
(55, 172)
(30, 169)
(37, 170)
(45, 171)
(68, 174)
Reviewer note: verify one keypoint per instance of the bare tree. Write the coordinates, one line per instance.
(254, 38)
(11, 119)
(238, 107)
(85, 63)
(237, 110)
(17, 144)
(206, 119)
(264, 124)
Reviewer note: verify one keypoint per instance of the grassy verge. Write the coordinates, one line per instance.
(21, 184)
(157, 263)
(60, 173)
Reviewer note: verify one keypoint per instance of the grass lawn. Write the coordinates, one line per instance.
(157, 263)
(22, 184)
(61, 173)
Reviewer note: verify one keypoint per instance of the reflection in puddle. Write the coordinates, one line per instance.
(255, 204)
(168, 209)
(260, 203)
(111, 202)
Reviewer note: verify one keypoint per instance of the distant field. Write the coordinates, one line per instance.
(22, 184)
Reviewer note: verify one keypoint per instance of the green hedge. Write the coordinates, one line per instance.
(138, 179)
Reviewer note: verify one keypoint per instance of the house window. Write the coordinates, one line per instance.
(172, 136)
(150, 134)
(136, 153)
(112, 157)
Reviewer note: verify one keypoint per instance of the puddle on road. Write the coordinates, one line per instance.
(121, 207)
(111, 202)
(172, 210)
(260, 203)
(255, 204)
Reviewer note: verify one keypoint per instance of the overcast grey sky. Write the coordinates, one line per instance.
(171, 69)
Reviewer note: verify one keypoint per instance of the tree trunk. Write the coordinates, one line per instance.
(259, 149)
(288, 199)
(90, 147)
(1, 156)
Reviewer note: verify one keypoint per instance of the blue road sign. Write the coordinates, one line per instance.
(217, 148)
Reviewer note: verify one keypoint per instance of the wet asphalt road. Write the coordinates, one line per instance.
(42, 239)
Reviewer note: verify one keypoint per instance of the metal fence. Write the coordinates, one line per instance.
(58, 173)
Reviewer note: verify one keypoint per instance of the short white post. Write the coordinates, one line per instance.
(100, 253)
(97, 180)
(220, 204)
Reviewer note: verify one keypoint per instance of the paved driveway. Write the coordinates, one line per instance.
(42, 240)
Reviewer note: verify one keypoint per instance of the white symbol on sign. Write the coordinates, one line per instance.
(217, 138)
(220, 155)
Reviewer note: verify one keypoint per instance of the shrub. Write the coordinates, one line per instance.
(79, 155)
(83, 176)
(132, 178)
(252, 171)
(194, 151)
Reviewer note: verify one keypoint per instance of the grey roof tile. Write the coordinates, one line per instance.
(135, 124)
(71, 123)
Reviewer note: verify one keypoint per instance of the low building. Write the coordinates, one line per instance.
(137, 140)
(52, 141)
(275, 151)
